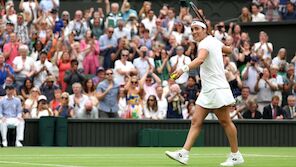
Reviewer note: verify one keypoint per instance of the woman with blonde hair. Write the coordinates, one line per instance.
(64, 110)
(31, 102)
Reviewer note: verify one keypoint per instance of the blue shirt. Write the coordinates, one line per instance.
(105, 42)
(3, 73)
(10, 108)
(109, 103)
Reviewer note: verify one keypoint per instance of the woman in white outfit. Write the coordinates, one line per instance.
(215, 95)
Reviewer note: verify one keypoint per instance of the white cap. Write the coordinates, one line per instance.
(42, 97)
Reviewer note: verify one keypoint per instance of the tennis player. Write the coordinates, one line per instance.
(215, 94)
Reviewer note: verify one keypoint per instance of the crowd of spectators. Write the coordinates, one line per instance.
(116, 62)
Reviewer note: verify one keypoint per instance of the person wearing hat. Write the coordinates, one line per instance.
(99, 77)
(178, 61)
(42, 108)
(48, 87)
(11, 115)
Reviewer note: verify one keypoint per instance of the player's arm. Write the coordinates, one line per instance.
(202, 55)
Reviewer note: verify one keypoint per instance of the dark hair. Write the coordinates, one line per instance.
(74, 61)
(154, 107)
(85, 86)
(24, 87)
(189, 103)
(38, 42)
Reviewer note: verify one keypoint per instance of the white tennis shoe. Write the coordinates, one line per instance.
(233, 159)
(4, 143)
(178, 156)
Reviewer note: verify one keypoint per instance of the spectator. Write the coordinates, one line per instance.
(263, 47)
(48, 5)
(289, 83)
(190, 110)
(72, 76)
(273, 110)
(151, 110)
(26, 87)
(252, 112)
(162, 102)
(31, 101)
(131, 25)
(29, 6)
(23, 66)
(150, 81)
(279, 81)
(21, 29)
(170, 20)
(91, 49)
(245, 15)
(122, 102)
(96, 25)
(175, 101)
(64, 110)
(135, 91)
(10, 15)
(232, 76)
(290, 108)
(242, 100)
(150, 21)
(290, 14)
(178, 32)
(192, 89)
(265, 88)
(123, 67)
(56, 101)
(234, 113)
(146, 7)
(144, 62)
(99, 77)
(57, 23)
(256, 15)
(272, 12)
(250, 74)
(5, 70)
(107, 93)
(162, 65)
(90, 91)
(78, 26)
(43, 69)
(9, 30)
(280, 58)
(220, 32)
(89, 111)
(63, 65)
(244, 55)
(108, 44)
(177, 62)
(121, 31)
(11, 48)
(11, 115)
(146, 40)
(113, 15)
(126, 10)
(48, 88)
(36, 49)
(42, 108)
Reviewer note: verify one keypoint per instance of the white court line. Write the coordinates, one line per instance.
(36, 164)
(140, 155)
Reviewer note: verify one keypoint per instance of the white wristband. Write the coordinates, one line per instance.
(185, 68)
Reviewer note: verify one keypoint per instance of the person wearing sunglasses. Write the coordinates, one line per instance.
(64, 110)
(107, 94)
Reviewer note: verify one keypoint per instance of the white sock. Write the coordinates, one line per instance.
(237, 153)
(184, 151)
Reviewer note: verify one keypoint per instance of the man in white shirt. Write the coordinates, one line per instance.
(162, 102)
(144, 62)
(43, 68)
(177, 62)
(121, 31)
(256, 15)
(150, 21)
(263, 47)
(77, 100)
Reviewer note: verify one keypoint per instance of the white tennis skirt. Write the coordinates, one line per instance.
(215, 98)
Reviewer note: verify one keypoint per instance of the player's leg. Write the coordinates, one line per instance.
(223, 116)
(182, 155)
